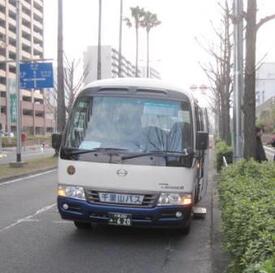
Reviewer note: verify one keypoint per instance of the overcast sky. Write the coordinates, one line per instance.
(174, 51)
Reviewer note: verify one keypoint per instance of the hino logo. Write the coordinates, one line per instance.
(121, 172)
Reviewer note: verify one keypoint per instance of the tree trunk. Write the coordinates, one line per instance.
(147, 61)
(120, 39)
(136, 51)
(249, 90)
(99, 41)
(61, 116)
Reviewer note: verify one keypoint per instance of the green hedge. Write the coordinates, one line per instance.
(31, 140)
(247, 199)
(223, 150)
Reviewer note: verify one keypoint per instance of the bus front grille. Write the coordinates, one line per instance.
(149, 199)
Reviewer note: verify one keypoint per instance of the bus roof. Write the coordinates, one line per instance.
(140, 83)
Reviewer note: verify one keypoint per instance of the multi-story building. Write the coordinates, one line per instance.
(34, 108)
(153, 73)
(109, 64)
(265, 83)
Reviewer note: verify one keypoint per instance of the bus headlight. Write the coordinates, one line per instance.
(71, 191)
(166, 199)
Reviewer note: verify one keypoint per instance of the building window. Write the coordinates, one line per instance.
(12, 15)
(12, 2)
(3, 80)
(3, 66)
(3, 109)
(38, 18)
(2, 9)
(26, 98)
(26, 11)
(26, 23)
(38, 30)
(26, 35)
(12, 55)
(27, 112)
(12, 41)
(39, 114)
(2, 23)
(12, 28)
(38, 7)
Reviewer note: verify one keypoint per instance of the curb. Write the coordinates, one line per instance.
(6, 179)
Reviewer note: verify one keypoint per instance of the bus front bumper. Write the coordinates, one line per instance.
(159, 216)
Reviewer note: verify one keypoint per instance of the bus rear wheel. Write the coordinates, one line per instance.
(82, 225)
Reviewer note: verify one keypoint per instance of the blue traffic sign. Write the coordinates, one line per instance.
(36, 75)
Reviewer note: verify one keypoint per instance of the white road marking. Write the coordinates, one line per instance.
(26, 177)
(28, 218)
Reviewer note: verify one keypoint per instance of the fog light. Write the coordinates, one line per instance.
(178, 214)
(65, 206)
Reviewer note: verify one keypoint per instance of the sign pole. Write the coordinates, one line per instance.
(18, 57)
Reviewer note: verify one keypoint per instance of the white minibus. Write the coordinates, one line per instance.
(132, 154)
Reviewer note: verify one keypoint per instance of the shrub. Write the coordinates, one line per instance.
(247, 199)
(223, 150)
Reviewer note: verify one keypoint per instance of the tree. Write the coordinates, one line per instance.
(73, 82)
(137, 13)
(120, 39)
(250, 76)
(149, 21)
(219, 73)
(61, 117)
(99, 40)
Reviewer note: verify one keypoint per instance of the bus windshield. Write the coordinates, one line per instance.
(130, 124)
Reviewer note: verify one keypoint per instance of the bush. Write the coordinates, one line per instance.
(247, 199)
(31, 140)
(223, 150)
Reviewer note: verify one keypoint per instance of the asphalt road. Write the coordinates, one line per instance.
(9, 155)
(33, 238)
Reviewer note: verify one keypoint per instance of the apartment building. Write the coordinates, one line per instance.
(34, 110)
(110, 64)
(265, 83)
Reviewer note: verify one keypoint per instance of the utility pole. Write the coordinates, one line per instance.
(61, 116)
(238, 79)
(120, 39)
(18, 58)
(99, 41)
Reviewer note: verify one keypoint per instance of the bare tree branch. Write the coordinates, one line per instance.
(264, 20)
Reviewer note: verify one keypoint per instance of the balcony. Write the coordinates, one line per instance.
(26, 4)
(39, 122)
(50, 123)
(27, 121)
(27, 105)
(39, 107)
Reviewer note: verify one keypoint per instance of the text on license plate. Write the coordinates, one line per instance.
(118, 198)
(120, 219)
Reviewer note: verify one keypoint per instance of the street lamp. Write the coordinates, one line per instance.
(18, 57)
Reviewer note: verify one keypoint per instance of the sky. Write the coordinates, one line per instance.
(174, 51)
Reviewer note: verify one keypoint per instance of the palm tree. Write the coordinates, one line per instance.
(149, 21)
(99, 41)
(137, 13)
(120, 39)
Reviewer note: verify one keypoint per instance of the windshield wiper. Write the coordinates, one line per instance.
(100, 149)
(157, 153)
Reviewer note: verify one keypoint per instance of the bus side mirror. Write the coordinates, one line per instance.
(202, 140)
(56, 141)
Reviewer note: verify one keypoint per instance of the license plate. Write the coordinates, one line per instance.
(120, 219)
(118, 198)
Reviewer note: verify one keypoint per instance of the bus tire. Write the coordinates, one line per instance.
(82, 225)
